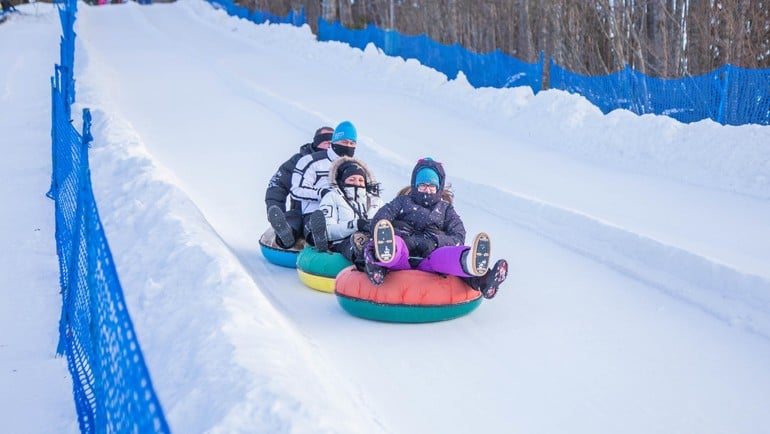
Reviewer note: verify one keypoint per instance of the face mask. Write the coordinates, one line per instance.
(425, 199)
(354, 192)
(343, 151)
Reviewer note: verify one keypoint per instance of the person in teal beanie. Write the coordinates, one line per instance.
(310, 183)
(420, 229)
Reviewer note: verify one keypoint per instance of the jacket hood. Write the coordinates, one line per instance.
(432, 164)
(307, 148)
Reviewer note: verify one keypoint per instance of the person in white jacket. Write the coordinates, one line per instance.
(349, 206)
(309, 184)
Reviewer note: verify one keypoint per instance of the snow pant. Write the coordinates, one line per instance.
(352, 248)
(443, 260)
(307, 230)
(344, 248)
(294, 219)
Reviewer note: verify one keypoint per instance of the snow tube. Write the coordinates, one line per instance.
(276, 254)
(407, 296)
(319, 269)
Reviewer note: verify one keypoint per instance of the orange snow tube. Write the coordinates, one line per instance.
(410, 296)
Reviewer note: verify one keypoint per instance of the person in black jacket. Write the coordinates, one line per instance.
(279, 187)
(309, 183)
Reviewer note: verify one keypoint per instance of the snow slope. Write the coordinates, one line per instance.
(638, 299)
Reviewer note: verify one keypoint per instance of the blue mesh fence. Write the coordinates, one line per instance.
(728, 95)
(493, 69)
(111, 383)
(297, 19)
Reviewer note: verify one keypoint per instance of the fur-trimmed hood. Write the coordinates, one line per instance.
(370, 179)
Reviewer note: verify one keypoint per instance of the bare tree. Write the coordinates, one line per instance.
(662, 38)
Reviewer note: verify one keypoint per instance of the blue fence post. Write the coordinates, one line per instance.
(87, 137)
(724, 79)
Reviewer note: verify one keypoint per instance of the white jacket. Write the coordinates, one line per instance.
(341, 219)
(343, 206)
(311, 177)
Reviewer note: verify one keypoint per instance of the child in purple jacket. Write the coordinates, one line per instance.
(421, 230)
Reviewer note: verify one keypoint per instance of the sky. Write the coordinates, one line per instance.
(638, 297)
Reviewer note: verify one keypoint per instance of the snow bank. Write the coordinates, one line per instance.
(737, 297)
(205, 313)
(703, 153)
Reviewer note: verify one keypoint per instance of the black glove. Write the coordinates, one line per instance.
(411, 244)
(420, 244)
(426, 244)
(322, 192)
(362, 225)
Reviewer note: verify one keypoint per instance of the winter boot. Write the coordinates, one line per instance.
(318, 231)
(475, 261)
(384, 241)
(490, 282)
(375, 273)
(358, 241)
(283, 232)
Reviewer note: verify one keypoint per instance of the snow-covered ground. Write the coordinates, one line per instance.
(639, 293)
(35, 387)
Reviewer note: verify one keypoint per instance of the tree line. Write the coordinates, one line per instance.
(660, 38)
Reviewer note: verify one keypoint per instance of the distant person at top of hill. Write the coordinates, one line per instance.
(7, 6)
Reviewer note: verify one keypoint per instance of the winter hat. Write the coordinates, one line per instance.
(345, 130)
(323, 134)
(429, 163)
(348, 169)
(426, 175)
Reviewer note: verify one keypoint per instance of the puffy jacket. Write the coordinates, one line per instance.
(344, 206)
(310, 179)
(279, 187)
(425, 221)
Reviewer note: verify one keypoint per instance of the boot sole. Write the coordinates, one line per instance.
(281, 226)
(318, 231)
(384, 246)
(480, 254)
